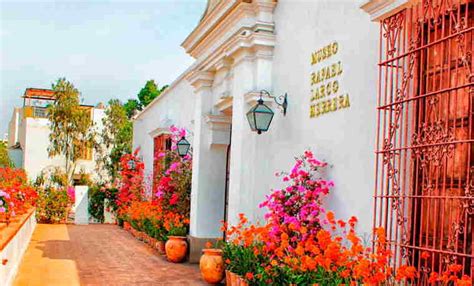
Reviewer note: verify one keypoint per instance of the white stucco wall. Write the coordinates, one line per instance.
(14, 250)
(175, 106)
(345, 138)
(13, 127)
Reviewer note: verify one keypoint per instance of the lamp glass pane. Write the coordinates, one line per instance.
(251, 119)
(263, 120)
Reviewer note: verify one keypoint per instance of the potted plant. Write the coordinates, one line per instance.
(176, 247)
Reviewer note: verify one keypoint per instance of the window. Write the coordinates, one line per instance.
(424, 194)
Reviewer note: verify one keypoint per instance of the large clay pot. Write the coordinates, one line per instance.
(176, 248)
(212, 265)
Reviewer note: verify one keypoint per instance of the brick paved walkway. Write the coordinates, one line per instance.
(97, 255)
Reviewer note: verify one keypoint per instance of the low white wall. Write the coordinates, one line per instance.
(14, 251)
(81, 205)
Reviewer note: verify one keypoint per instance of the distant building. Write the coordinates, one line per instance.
(28, 135)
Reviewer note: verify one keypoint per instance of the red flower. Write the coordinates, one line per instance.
(425, 255)
(174, 199)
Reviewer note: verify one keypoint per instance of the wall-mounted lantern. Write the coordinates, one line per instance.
(260, 116)
(183, 146)
(131, 164)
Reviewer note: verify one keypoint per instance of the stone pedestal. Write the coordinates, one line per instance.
(81, 205)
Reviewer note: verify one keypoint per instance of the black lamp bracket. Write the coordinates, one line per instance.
(281, 100)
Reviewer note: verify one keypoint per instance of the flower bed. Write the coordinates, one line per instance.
(163, 214)
(16, 195)
(301, 243)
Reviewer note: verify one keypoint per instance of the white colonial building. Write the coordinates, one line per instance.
(28, 136)
(354, 73)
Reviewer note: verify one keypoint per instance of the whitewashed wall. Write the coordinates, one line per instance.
(34, 139)
(14, 251)
(345, 138)
(175, 106)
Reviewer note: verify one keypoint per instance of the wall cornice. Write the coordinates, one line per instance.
(200, 79)
(380, 9)
(227, 19)
(210, 21)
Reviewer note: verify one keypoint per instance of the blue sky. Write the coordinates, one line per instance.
(108, 49)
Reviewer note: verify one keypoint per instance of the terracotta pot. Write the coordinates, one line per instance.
(176, 248)
(151, 241)
(160, 246)
(227, 278)
(212, 265)
(126, 225)
(234, 279)
(243, 282)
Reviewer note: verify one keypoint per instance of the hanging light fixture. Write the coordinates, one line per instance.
(183, 146)
(260, 116)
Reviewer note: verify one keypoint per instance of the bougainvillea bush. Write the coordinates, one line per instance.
(16, 194)
(167, 213)
(173, 192)
(131, 182)
(300, 243)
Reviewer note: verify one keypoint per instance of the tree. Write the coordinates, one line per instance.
(149, 92)
(116, 137)
(131, 106)
(4, 158)
(70, 125)
(146, 95)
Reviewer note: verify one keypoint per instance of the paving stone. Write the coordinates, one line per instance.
(97, 255)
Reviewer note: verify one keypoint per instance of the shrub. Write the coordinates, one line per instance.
(97, 201)
(52, 205)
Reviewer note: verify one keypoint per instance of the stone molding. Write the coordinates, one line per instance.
(219, 122)
(252, 97)
(219, 126)
(159, 131)
(200, 79)
(381, 9)
(226, 15)
(224, 103)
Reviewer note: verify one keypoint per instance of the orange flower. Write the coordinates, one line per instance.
(406, 272)
(433, 277)
(330, 217)
(249, 275)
